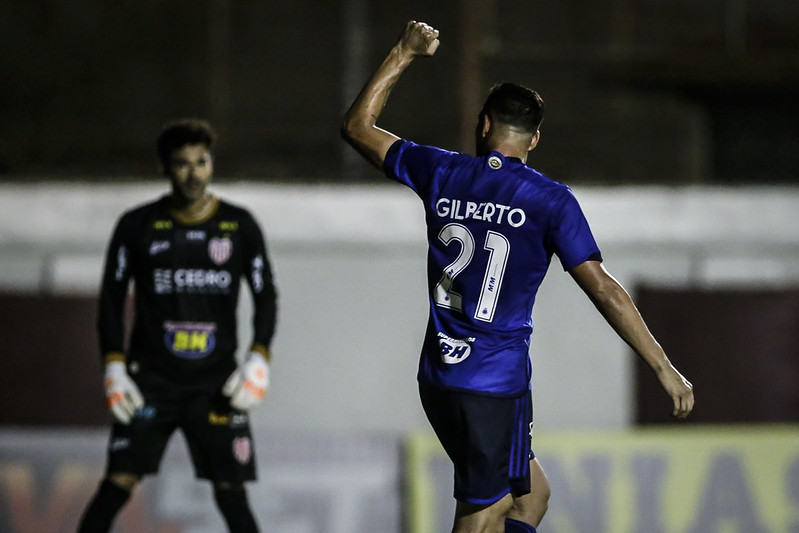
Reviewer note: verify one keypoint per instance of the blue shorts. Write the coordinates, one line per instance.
(487, 438)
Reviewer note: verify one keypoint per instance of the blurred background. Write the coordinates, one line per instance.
(675, 122)
(638, 91)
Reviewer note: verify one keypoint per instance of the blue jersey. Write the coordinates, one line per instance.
(492, 226)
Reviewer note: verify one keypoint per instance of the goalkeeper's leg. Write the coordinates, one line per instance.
(231, 499)
(112, 494)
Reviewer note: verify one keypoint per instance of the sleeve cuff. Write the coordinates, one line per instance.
(114, 356)
(263, 350)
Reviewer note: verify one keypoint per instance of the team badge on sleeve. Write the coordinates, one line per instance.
(220, 249)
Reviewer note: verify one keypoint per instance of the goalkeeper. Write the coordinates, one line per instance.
(185, 254)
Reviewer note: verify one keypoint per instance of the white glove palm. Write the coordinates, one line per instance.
(247, 385)
(121, 392)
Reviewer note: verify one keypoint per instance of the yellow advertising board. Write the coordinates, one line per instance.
(730, 479)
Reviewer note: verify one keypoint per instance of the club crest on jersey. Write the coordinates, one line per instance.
(454, 351)
(220, 249)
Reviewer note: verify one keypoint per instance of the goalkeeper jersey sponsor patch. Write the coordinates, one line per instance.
(190, 340)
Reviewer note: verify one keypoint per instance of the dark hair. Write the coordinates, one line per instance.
(181, 132)
(514, 105)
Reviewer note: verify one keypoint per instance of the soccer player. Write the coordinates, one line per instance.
(186, 254)
(493, 225)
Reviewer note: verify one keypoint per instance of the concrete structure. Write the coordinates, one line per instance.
(350, 264)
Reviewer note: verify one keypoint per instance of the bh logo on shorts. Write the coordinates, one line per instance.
(454, 351)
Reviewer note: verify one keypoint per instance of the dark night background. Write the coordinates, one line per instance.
(637, 91)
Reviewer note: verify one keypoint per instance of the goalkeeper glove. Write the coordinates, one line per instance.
(121, 392)
(247, 385)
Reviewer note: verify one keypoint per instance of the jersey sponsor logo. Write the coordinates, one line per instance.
(242, 449)
(455, 209)
(220, 249)
(258, 274)
(228, 225)
(162, 281)
(191, 280)
(495, 162)
(119, 443)
(454, 351)
(156, 247)
(162, 224)
(224, 419)
(190, 340)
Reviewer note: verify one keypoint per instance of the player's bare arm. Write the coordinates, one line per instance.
(359, 127)
(616, 306)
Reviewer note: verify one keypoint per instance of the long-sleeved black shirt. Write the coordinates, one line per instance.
(186, 280)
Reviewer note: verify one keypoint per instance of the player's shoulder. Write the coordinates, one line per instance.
(236, 215)
(544, 182)
(405, 147)
(233, 210)
(534, 175)
(539, 190)
(145, 211)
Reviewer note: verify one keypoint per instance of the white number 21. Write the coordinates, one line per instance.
(497, 246)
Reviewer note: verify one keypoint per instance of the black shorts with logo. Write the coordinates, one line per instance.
(487, 438)
(218, 436)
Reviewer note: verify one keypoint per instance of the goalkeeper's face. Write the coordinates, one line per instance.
(190, 170)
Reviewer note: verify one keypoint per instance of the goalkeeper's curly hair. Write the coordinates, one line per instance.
(177, 133)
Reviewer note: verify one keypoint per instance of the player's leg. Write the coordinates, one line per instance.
(111, 496)
(231, 500)
(531, 487)
(221, 448)
(517, 526)
(472, 518)
(136, 451)
(486, 440)
(528, 509)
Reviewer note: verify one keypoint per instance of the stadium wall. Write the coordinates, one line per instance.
(350, 265)
(331, 438)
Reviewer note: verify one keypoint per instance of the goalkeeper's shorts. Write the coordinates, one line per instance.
(218, 436)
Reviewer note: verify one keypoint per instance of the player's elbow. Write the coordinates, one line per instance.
(351, 129)
(345, 130)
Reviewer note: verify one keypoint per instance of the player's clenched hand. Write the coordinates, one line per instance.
(121, 392)
(680, 390)
(419, 39)
(247, 385)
